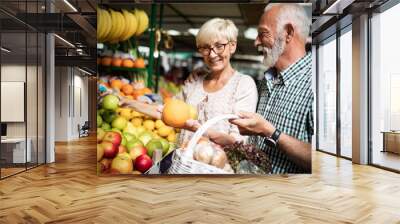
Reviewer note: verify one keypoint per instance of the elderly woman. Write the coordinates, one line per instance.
(223, 90)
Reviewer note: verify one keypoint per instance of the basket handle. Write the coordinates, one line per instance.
(197, 135)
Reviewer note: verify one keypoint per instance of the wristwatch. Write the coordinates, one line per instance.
(273, 140)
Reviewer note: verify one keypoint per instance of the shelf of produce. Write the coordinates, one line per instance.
(111, 69)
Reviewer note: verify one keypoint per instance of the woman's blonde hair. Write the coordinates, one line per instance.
(215, 29)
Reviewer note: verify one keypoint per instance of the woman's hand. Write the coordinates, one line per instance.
(192, 125)
(220, 138)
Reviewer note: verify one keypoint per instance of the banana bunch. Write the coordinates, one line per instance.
(143, 21)
(114, 26)
(104, 24)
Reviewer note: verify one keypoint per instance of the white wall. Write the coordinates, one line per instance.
(314, 89)
(71, 94)
(35, 122)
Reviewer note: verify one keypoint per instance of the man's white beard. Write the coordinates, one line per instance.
(271, 55)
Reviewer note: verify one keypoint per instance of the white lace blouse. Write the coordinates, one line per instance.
(238, 94)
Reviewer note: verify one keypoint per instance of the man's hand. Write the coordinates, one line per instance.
(253, 124)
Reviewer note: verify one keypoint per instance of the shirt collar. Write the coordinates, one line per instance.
(284, 77)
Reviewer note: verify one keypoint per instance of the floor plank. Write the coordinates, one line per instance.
(69, 191)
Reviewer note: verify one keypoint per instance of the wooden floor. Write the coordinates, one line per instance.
(70, 192)
(387, 159)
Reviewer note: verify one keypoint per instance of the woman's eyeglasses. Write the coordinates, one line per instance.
(217, 48)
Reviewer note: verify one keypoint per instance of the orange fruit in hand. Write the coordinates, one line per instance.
(175, 113)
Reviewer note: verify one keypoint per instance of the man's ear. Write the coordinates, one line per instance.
(289, 29)
(232, 47)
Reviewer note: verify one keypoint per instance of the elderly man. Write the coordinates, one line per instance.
(283, 124)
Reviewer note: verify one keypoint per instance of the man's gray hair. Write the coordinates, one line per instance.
(294, 13)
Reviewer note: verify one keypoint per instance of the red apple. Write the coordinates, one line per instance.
(137, 151)
(122, 163)
(110, 150)
(113, 137)
(122, 149)
(143, 163)
(105, 165)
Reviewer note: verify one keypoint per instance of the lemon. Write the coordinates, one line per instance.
(126, 113)
(149, 125)
(137, 122)
(164, 131)
(136, 114)
(159, 124)
(171, 137)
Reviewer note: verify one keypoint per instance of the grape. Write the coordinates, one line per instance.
(238, 152)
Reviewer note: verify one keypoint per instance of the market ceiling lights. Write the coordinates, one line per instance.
(173, 33)
(193, 31)
(70, 5)
(84, 71)
(251, 33)
(5, 50)
(65, 41)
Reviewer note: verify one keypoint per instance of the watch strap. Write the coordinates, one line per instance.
(275, 135)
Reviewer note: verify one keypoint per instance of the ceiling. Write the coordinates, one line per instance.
(76, 24)
(182, 16)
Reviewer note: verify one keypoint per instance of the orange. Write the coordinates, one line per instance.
(175, 113)
(116, 62)
(139, 63)
(147, 91)
(127, 89)
(128, 63)
(106, 61)
(116, 84)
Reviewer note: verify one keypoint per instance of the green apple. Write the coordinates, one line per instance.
(129, 137)
(101, 111)
(110, 102)
(99, 120)
(106, 126)
(130, 129)
(123, 141)
(109, 116)
(165, 145)
(133, 143)
(145, 137)
(119, 123)
(152, 145)
(140, 130)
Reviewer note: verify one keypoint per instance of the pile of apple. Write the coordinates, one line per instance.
(126, 139)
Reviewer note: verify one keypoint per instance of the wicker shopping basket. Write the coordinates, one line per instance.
(182, 160)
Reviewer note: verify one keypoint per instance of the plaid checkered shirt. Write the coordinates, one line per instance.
(286, 100)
